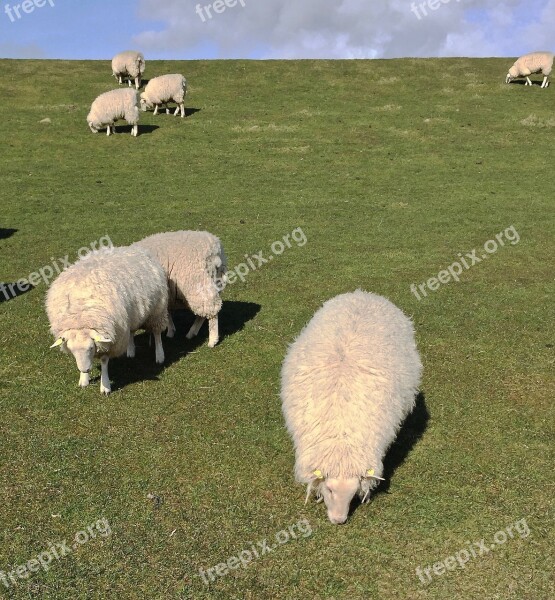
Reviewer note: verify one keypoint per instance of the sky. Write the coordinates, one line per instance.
(275, 29)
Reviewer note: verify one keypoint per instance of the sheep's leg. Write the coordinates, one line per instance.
(156, 109)
(159, 347)
(120, 79)
(108, 130)
(135, 130)
(195, 328)
(171, 326)
(137, 82)
(129, 82)
(131, 346)
(213, 331)
(176, 112)
(84, 379)
(545, 82)
(182, 107)
(104, 379)
(528, 81)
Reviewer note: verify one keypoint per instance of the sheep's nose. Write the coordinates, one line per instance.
(337, 520)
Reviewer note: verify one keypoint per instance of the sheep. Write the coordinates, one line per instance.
(347, 383)
(114, 105)
(95, 306)
(164, 89)
(535, 62)
(195, 266)
(129, 64)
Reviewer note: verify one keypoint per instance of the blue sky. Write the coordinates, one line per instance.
(97, 29)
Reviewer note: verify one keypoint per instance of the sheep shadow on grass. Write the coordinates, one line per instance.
(143, 129)
(523, 82)
(125, 371)
(189, 111)
(10, 291)
(411, 431)
(6, 233)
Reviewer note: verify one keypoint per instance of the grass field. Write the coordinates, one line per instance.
(390, 169)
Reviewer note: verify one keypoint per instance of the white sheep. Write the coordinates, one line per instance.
(347, 383)
(535, 62)
(195, 265)
(95, 306)
(114, 105)
(164, 89)
(128, 65)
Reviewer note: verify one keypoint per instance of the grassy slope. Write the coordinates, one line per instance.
(391, 168)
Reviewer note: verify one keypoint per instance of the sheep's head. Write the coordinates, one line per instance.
(512, 74)
(91, 122)
(84, 344)
(338, 492)
(145, 104)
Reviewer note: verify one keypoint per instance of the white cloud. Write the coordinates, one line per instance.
(348, 28)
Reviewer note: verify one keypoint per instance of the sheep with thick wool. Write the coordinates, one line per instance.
(163, 89)
(112, 106)
(128, 65)
(535, 62)
(347, 383)
(195, 266)
(95, 306)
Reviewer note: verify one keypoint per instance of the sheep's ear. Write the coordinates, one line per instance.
(370, 473)
(58, 342)
(318, 474)
(101, 340)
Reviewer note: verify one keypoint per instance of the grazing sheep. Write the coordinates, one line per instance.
(347, 383)
(128, 65)
(114, 105)
(535, 62)
(96, 305)
(195, 266)
(164, 89)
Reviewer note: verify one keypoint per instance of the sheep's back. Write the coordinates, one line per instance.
(351, 375)
(116, 287)
(187, 258)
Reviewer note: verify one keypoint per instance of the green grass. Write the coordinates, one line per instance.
(391, 168)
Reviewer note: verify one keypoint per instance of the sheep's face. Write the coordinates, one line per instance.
(338, 494)
(80, 343)
(145, 104)
(512, 74)
(84, 344)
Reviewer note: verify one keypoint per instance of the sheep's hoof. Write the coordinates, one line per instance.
(104, 390)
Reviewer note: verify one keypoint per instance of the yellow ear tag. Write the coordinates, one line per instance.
(318, 474)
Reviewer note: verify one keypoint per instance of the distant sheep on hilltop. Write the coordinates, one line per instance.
(112, 106)
(161, 90)
(535, 62)
(128, 65)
